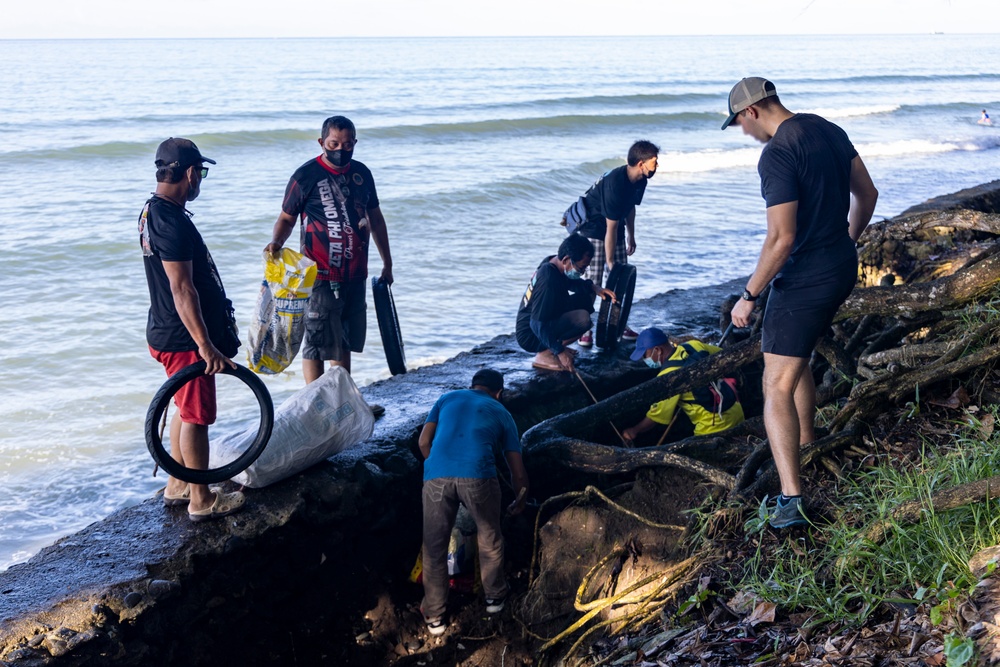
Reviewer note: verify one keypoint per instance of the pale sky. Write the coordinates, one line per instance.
(368, 18)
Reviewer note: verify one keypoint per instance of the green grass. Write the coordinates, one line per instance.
(925, 562)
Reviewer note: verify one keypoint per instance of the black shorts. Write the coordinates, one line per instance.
(801, 308)
(335, 321)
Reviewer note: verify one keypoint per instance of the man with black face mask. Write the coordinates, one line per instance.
(610, 223)
(334, 196)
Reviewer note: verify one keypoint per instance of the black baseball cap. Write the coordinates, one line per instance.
(489, 378)
(176, 152)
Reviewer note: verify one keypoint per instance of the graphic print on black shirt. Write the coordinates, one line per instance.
(166, 233)
(333, 210)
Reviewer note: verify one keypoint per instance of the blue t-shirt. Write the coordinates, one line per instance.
(470, 423)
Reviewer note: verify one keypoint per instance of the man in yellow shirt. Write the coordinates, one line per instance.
(710, 409)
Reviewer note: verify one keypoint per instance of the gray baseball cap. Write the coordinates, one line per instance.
(748, 91)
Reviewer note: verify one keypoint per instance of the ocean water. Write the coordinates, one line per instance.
(477, 145)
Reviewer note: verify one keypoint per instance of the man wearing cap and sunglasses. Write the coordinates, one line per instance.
(190, 318)
(819, 199)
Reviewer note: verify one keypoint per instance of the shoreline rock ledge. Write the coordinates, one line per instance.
(145, 586)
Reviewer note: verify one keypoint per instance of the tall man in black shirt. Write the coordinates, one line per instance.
(610, 224)
(819, 199)
(189, 318)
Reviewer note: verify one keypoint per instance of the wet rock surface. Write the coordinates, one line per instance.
(145, 586)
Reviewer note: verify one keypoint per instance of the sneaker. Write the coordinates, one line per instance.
(377, 410)
(628, 334)
(436, 626)
(788, 514)
(494, 605)
(586, 340)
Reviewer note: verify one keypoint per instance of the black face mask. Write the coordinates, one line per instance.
(339, 158)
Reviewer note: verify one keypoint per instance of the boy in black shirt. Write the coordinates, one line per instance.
(610, 224)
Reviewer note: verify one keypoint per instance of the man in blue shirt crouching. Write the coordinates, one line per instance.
(458, 441)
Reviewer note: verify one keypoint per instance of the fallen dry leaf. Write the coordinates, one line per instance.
(763, 613)
(743, 602)
(958, 398)
(934, 660)
(986, 425)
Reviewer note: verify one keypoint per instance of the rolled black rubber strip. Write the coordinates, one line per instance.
(212, 475)
(388, 326)
(613, 317)
(625, 291)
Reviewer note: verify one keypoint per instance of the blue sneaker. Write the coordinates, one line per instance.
(787, 514)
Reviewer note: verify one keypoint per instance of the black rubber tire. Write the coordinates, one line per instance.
(613, 317)
(212, 475)
(388, 326)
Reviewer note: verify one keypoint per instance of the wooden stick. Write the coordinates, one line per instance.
(672, 420)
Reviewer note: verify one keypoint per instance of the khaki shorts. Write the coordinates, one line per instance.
(336, 321)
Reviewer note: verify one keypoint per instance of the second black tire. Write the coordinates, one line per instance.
(388, 326)
(612, 319)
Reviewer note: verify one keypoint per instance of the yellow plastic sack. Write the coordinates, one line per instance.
(279, 317)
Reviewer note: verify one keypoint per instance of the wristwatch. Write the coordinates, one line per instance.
(747, 296)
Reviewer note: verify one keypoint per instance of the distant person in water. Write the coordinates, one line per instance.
(189, 319)
(985, 119)
(334, 198)
(819, 199)
(610, 209)
(557, 305)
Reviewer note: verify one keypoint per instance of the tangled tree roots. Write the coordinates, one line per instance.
(890, 342)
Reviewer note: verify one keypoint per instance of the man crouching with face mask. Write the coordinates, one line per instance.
(556, 307)
(703, 411)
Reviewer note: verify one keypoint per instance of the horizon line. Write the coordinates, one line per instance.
(511, 36)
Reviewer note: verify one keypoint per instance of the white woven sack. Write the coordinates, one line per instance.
(323, 418)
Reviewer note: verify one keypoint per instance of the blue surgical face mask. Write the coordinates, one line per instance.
(652, 364)
(573, 274)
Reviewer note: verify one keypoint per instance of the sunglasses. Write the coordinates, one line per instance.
(204, 172)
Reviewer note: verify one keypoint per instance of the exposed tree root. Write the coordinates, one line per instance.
(896, 339)
(591, 457)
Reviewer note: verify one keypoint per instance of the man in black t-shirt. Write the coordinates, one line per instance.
(334, 198)
(557, 304)
(819, 199)
(189, 318)
(610, 224)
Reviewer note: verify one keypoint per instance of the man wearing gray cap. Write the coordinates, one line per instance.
(190, 318)
(819, 199)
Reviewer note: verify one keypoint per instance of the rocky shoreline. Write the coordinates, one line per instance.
(146, 587)
(310, 555)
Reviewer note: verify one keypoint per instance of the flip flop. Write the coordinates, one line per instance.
(182, 498)
(224, 505)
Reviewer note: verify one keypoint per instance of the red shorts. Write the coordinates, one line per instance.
(195, 401)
